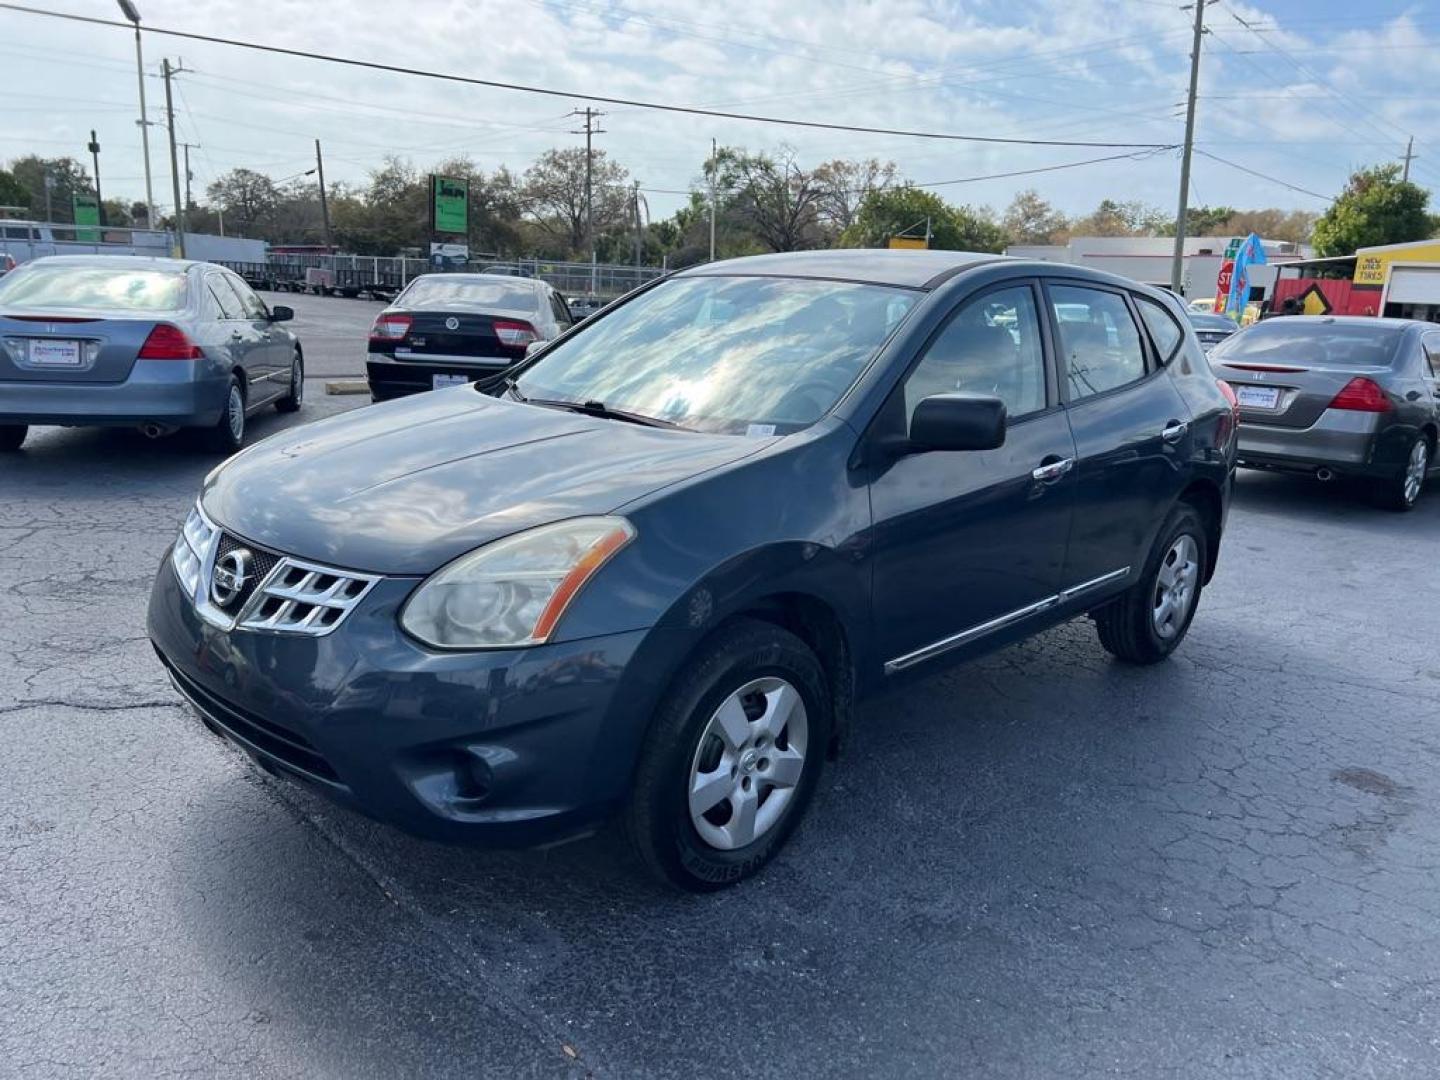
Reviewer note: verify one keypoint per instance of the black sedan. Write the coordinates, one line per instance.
(446, 329)
(1212, 329)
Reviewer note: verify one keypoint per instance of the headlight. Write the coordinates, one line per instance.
(188, 554)
(512, 592)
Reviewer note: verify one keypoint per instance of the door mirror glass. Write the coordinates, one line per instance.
(957, 422)
(281, 313)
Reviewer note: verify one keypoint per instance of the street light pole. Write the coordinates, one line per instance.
(128, 9)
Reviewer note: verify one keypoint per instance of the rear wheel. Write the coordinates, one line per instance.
(292, 401)
(12, 435)
(1148, 622)
(1402, 491)
(228, 435)
(732, 758)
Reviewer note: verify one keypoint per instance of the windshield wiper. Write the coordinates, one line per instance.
(599, 408)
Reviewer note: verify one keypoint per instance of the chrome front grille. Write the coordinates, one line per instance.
(280, 594)
(304, 598)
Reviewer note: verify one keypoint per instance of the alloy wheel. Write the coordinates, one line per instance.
(235, 413)
(1415, 470)
(750, 759)
(1175, 586)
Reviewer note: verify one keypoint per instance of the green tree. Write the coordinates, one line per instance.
(1205, 221)
(1111, 218)
(67, 178)
(554, 196)
(1376, 207)
(12, 192)
(1029, 219)
(907, 209)
(249, 200)
(772, 197)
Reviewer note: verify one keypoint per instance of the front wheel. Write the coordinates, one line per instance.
(1147, 623)
(1402, 491)
(12, 435)
(292, 401)
(732, 758)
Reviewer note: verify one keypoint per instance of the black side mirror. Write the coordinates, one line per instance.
(281, 313)
(958, 422)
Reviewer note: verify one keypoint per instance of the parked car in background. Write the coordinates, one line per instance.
(582, 307)
(649, 572)
(127, 341)
(1339, 396)
(1212, 329)
(446, 329)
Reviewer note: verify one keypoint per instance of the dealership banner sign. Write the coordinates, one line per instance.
(449, 205)
(1251, 252)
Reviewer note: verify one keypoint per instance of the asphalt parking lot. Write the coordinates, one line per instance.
(1040, 865)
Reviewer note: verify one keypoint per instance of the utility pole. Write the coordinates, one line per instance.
(714, 151)
(49, 194)
(324, 206)
(188, 147)
(589, 131)
(639, 237)
(167, 72)
(128, 9)
(1410, 155)
(1177, 263)
(94, 148)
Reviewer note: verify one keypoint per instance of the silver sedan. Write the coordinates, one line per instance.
(158, 344)
(1338, 396)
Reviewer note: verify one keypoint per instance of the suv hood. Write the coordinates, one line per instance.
(404, 487)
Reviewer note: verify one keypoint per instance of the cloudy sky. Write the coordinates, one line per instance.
(1298, 90)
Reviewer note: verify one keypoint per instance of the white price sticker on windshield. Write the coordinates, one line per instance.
(760, 431)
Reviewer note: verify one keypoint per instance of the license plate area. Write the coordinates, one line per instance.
(438, 382)
(51, 353)
(1258, 397)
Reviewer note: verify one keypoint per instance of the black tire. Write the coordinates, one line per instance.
(292, 401)
(1394, 492)
(228, 434)
(12, 435)
(657, 817)
(1127, 625)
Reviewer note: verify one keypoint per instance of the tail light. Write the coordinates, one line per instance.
(168, 342)
(1361, 395)
(1232, 422)
(390, 327)
(514, 333)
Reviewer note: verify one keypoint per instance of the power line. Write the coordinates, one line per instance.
(551, 92)
(1263, 176)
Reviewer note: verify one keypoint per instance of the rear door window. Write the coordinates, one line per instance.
(1099, 343)
(225, 298)
(252, 305)
(1164, 330)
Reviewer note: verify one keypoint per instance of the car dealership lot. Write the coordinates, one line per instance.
(1042, 864)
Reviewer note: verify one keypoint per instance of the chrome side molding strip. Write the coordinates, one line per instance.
(964, 637)
(1073, 591)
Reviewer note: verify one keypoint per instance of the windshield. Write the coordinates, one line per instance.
(1312, 342)
(488, 291)
(745, 355)
(93, 288)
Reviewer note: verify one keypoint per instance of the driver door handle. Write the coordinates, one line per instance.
(1174, 431)
(1051, 471)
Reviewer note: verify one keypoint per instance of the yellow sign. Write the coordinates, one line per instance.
(1371, 267)
(909, 242)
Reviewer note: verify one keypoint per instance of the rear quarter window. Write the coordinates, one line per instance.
(1163, 327)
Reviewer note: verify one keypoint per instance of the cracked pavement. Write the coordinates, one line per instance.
(1038, 865)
